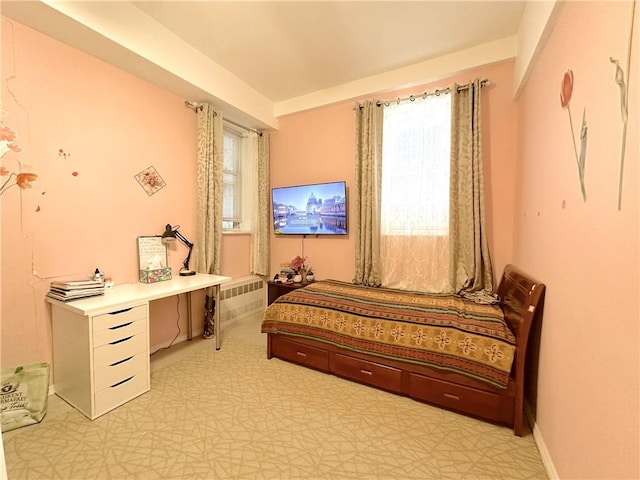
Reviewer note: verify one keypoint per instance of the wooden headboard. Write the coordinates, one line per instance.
(522, 301)
(520, 297)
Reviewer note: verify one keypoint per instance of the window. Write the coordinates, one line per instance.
(415, 167)
(236, 181)
(414, 243)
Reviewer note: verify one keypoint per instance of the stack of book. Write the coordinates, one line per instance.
(75, 289)
(287, 271)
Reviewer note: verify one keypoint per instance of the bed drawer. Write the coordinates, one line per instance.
(302, 354)
(456, 397)
(375, 374)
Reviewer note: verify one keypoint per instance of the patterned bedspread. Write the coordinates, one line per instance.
(440, 331)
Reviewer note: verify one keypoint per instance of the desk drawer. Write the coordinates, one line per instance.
(119, 350)
(119, 317)
(117, 394)
(106, 376)
(371, 373)
(118, 332)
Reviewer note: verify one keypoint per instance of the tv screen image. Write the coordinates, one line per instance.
(318, 209)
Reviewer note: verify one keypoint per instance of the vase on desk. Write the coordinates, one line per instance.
(297, 278)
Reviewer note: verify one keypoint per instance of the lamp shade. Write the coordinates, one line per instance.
(169, 236)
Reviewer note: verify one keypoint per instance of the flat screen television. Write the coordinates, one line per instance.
(318, 209)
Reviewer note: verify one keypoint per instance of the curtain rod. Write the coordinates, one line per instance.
(483, 83)
(195, 106)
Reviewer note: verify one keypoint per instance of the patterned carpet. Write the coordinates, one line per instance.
(233, 414)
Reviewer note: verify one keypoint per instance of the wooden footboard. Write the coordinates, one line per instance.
(521, 299)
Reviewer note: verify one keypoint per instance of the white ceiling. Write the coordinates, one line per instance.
(288, 49)
(278, 52)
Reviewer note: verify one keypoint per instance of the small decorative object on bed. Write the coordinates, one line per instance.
(440, 349)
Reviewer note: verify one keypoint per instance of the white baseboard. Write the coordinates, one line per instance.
(542, 447)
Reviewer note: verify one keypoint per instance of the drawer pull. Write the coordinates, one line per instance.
(301, 354)
(121, 340)
(366, 372)
(453, 397)
(121, 311)
(121, 361)
(120, 326)
(121, 382)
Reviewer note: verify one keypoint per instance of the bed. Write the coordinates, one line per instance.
(444, 350)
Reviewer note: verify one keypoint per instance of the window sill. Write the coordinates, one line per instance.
(236, 232)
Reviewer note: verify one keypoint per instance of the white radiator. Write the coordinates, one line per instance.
(241, 297)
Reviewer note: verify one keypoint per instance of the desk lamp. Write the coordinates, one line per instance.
(169, 236)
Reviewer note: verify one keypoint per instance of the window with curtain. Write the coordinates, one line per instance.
(416, 153)
(236, 183)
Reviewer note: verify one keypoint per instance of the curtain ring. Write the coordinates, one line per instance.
(386, 104)
(411, 98)
(398, 101)
(424, 96)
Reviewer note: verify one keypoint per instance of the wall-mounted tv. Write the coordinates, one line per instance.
(318, 209)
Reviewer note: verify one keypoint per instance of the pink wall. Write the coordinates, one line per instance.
(314, 147)
(236, 258)
(319, 146)
(587, 253)
(111, 125)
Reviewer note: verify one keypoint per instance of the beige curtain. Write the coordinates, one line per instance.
(368, 187)
(470, 263)
(259, 147)
(209, 190)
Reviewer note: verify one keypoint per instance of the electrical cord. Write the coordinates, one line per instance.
(177, 325)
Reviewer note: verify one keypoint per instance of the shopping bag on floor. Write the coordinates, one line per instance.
(24, 395)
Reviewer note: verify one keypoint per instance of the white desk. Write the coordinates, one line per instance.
(129, 294)
(101, 343)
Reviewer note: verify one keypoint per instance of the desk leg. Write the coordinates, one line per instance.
(189, 318)
(216, 293)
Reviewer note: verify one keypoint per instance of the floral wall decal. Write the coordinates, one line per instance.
(566, 91)
(150, 180)
(66, 156)
(22, 180)
(624, 101)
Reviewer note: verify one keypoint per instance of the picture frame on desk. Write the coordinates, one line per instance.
(153, 259)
